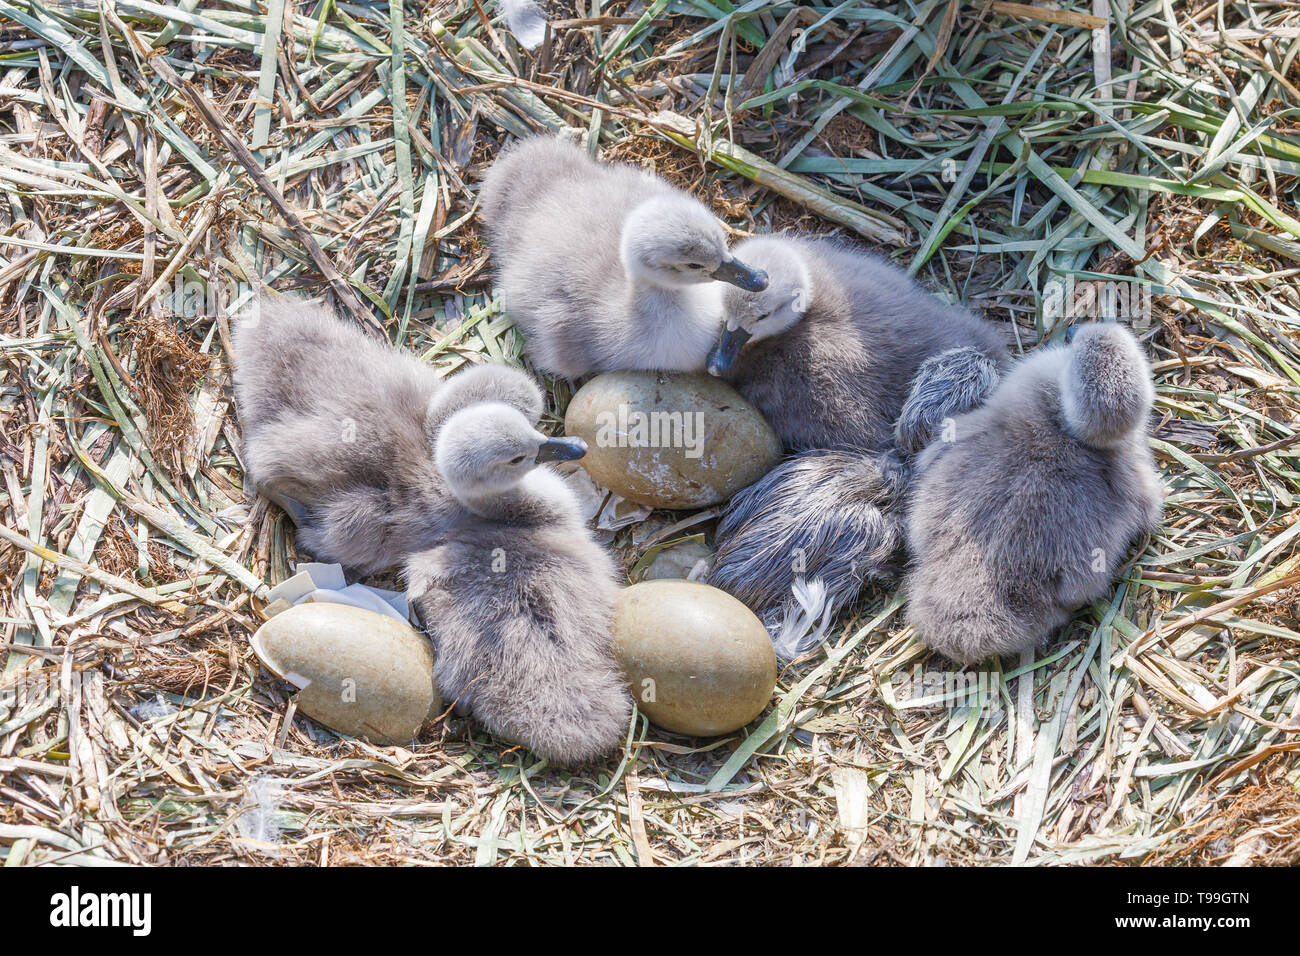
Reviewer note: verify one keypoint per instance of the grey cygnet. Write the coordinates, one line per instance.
(605, 266)
(1026, 513)
(518, 598)
(829, 350)
(339, 428)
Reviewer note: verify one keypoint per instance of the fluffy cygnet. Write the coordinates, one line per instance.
(605, 266)
(338, 430)
(1027, 511)
(828, 351)
(518, 598)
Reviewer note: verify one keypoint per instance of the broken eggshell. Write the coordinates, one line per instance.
(685, 560)
(670, 440)
(358, 672)
(326, 583)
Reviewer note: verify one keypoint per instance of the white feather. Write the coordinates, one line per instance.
(260, 819)
(525, 19)
(806, 620)
(147, 710)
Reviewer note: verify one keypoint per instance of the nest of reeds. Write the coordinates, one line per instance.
(336, 150)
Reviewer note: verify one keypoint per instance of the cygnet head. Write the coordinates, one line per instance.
(1106, 389)
(674, 241)
(756, 315)
(491, 382)
(488, 448)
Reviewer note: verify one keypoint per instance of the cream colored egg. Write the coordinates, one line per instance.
(697, 660)
(670, 440)
(358, 672)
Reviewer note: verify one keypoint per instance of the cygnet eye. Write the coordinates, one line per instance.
(519, 460)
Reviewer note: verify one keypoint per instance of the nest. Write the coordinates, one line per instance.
(1159, 726)
(168, 367)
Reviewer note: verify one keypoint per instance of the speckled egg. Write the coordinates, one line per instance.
(697, 660)
(357, 672)
(670, 440)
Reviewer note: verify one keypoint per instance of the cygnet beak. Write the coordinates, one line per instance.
(741, 276)
(294, 508)
(727, 348)
(561, 449)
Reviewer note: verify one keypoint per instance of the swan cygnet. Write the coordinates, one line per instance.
(1026, 514)
(856, 367)
(837, 516)
(828, 351)
(605, 266)
(518, 598)
(339, 426)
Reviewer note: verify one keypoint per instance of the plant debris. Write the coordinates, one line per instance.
(160, 164)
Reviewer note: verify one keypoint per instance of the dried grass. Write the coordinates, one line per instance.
(987, 154)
